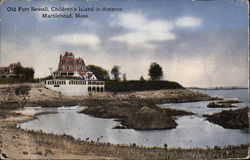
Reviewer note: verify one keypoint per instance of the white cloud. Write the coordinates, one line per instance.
(191, 71)
(188, 22)
(90, 23)
(142, 31)
(91, 41)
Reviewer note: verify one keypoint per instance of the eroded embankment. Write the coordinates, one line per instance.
(23, 95)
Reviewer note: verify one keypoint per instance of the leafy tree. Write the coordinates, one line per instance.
(18, 70)
(99, 72)
(115, 71)
(26, 73)
(155, 71)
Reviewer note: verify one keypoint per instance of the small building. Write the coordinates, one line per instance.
(9, 71)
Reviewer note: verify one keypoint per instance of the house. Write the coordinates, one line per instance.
(69, 66)
(9, 71)
(73, 78)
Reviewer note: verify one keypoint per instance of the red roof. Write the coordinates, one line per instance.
(4, 67)
(71, 59)
(12, 65)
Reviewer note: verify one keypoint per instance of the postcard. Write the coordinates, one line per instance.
(124, 79)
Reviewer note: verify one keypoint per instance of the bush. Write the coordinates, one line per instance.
(129, 86)
(14, 80)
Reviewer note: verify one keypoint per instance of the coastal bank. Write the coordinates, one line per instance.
(34, 144)
(136, 110)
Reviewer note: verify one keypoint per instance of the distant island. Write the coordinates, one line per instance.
(219, 88)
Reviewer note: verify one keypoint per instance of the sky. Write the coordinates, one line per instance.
(197, 43)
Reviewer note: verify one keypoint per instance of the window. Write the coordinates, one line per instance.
(89, 89)
(70, 82)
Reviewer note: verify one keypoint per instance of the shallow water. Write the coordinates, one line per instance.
(201, 107)
(192, 131)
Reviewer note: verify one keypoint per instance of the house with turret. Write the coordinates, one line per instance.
(70, 66)
(72, 77)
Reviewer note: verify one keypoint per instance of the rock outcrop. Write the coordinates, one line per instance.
(225, 103)
(136, 117)
(232, 119)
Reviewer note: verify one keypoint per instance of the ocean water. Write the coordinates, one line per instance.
(192, 131)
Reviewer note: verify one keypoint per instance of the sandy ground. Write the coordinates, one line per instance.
(16, 143)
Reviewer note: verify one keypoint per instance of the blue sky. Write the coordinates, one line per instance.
(198, 43)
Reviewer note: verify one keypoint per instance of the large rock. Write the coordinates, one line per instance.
(233, 119)
(224, 103)
(132, 116)
(146, 110)
(220, 105)
(149, 118)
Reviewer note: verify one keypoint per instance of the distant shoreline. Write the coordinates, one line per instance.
(217, 88)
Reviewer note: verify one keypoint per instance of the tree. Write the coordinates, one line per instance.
(124, 77)
(155, 71)
(115, 72)
(18, 70)
(99, 72)
(27, 73)
(142, 78)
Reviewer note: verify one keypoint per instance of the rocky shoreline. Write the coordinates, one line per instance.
(225, 103)
(24, 144)
(136, 117)
(20, 96)
(136, 110)
(231, 119)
